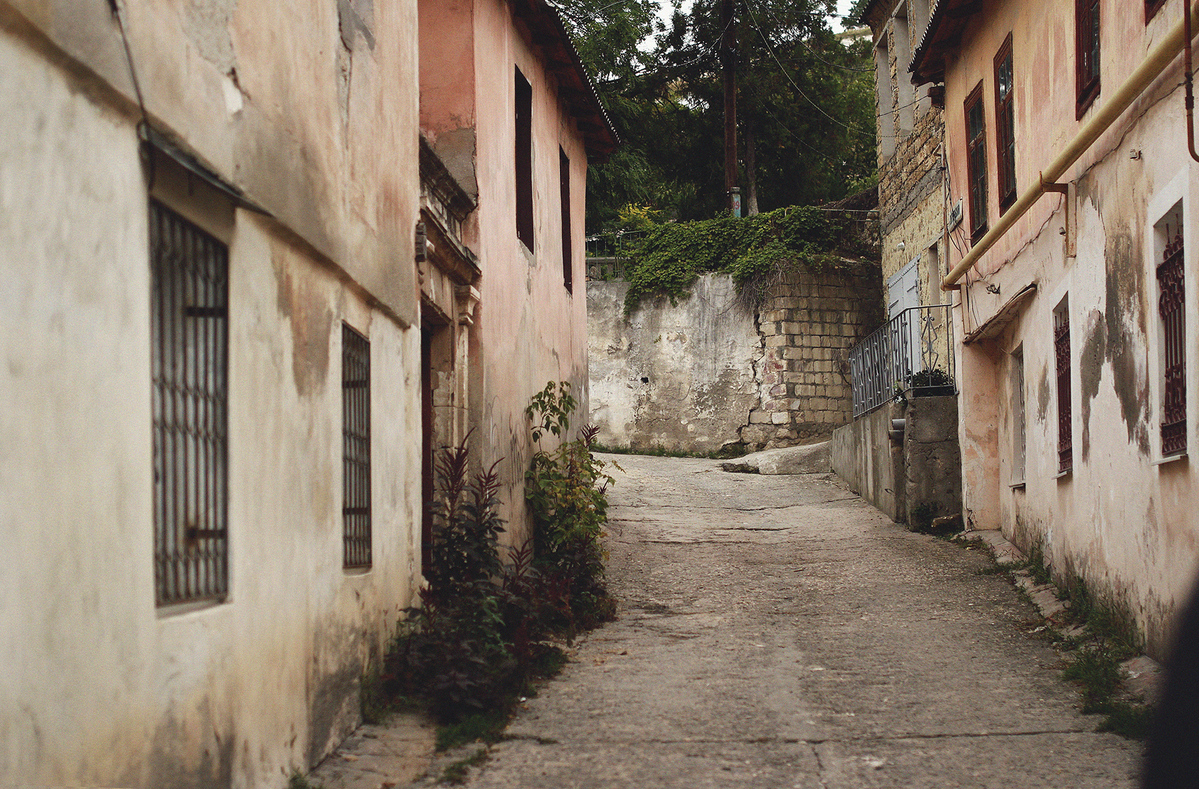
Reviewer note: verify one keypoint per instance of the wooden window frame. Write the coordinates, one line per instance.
(976, 164)
(564, 194)
(1005, 128)
(523, 121)
(1088, 25)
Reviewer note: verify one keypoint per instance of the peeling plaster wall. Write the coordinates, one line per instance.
(100, 687)
(1122, 520)
(529, 328)
(676, 377)
(708, 371)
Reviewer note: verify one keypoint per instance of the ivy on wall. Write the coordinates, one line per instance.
(749, 249)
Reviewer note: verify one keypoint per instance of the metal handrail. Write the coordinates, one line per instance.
(911, 353)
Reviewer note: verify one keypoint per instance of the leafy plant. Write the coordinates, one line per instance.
(566, 491)
(672, 256)
(478, 638)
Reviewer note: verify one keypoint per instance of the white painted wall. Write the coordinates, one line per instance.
(99, 687)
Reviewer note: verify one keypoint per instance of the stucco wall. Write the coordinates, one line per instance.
(1123, 520)
(863, 456)
(677, 377)
(532, 329)
(101, 688)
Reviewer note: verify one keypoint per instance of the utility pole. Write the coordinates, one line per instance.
(728, 69)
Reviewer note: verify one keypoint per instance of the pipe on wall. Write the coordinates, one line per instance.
(1154, 64)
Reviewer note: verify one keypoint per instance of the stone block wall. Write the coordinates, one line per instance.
(808, 323)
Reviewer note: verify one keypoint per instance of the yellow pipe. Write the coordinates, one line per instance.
(1155, 63)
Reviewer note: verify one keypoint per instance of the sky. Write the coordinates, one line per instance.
(843, 7)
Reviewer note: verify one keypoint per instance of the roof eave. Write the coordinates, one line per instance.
(575, 86)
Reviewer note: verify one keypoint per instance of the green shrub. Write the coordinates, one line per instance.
(749, 249)
(566, 490)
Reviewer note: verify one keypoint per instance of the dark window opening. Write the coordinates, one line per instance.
(524, 160)
(567, 252)
(356, 448)
(1152, 7)
(1005, 126)
(1061, 348)
(976, 162)
(1171, 299)
(189, 340)
(1086, 52)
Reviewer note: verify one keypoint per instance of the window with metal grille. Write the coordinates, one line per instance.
(976, 162)
(1086, 53)
(524, 160)
(1170, 302)
(356, 454)
(1005, 126)
(564, 190)
(189, 338)
(1065, 422)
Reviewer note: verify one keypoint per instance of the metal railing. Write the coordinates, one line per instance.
(609, 253)
(913, 352)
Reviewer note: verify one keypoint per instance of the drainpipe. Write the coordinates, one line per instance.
(1189, 78)
(1155, 63)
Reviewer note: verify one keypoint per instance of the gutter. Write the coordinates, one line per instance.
(1155, 63)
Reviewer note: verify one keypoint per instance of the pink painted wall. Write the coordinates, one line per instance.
(1123, 518)
(529, 329)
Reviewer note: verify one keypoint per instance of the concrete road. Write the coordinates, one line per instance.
(779, 632)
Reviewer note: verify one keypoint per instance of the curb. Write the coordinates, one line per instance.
(1143, 676)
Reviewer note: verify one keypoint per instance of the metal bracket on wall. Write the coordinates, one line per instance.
(1069, 230)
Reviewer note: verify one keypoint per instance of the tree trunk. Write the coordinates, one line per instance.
(751, 173)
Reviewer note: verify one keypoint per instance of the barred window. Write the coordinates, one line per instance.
(356, 456)
(1065, 421)
(1170, 302)
(189, 338)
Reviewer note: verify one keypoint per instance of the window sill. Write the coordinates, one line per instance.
(1064, 474)
(1162, 461)
(1017, 485)
(357, 570)
(191, 606)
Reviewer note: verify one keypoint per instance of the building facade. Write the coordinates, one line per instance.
(1066, 141)
(913, 211)
(225, 245)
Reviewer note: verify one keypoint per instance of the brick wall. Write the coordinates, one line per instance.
(808, 323)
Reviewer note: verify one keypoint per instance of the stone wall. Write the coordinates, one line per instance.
(913, 476)
(863, 456)
(711, 371)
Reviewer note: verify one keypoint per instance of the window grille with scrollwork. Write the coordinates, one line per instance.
(1170, 303)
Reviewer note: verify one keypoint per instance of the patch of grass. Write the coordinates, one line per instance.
(1097, 669)
(724, 453)
(300, 781)
(549, 662)
(1128, 720)
(480, 727)
(456, 773)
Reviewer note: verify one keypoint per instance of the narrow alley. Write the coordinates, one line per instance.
(779, 632)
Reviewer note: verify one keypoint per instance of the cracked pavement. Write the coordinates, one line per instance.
(779, 632)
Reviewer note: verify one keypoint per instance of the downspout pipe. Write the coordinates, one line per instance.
(1154, 64)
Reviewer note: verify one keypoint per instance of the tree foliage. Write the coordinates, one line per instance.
(806, 109)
